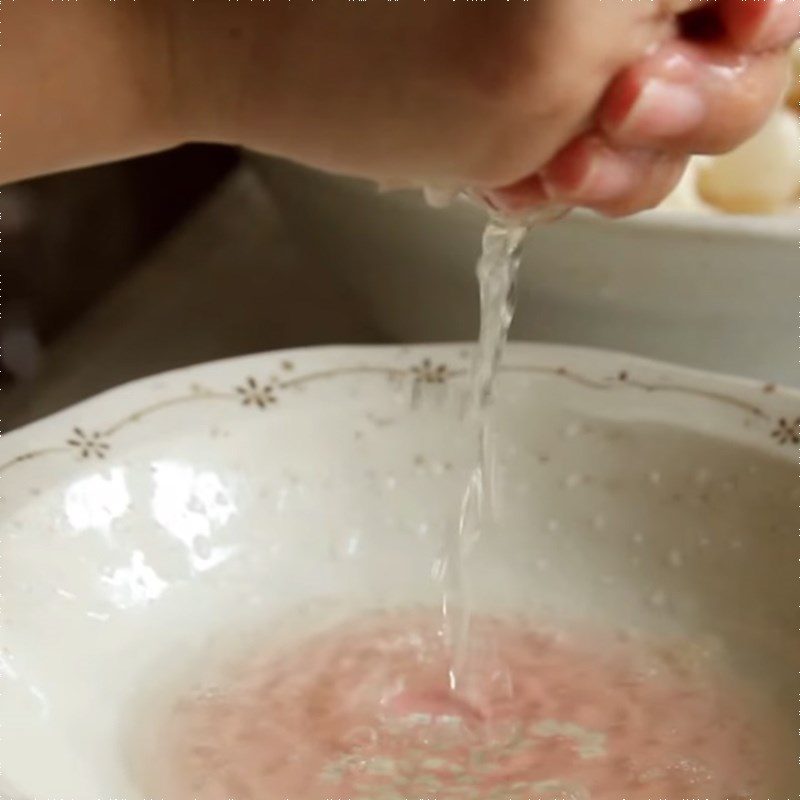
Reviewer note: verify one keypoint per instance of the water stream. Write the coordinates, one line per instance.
(497, 275)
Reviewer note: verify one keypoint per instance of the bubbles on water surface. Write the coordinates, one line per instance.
(556, 790)
(362, 711)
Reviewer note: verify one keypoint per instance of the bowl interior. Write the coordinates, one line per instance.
(263, 496)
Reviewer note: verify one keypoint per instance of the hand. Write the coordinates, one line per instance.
(705, 89)
(578, 102)
(531, 102)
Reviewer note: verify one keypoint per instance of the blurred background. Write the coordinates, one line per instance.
(116, 272)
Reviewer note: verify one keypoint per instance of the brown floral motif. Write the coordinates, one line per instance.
(788, 431)
(252, 393)
(428, 372)
(89, 445)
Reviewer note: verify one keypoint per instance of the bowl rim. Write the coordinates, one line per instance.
(586, 366)
(776, 407)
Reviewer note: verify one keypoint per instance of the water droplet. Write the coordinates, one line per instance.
(638, 537)
(553, 525)
(736, 544)
(542, 564)
(391, 482)
(573, 429)
(675, 558)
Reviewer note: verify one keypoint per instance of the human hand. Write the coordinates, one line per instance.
(526, 97)
(705, 89)
(523, 102)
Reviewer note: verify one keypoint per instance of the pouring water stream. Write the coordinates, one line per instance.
(497, 270)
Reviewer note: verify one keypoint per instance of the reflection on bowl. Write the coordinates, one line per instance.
(163, 520)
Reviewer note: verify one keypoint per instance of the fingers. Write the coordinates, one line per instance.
(591, 173)
(706, 92)
(759, 26)
(691, 99)
(657, 175)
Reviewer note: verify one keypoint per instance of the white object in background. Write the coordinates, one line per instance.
(762, 175)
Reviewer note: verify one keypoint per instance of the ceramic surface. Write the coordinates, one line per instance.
(709, 291)
(146, 530)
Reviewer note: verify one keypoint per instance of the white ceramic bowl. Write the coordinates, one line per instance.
(710, 291)
(159, 520)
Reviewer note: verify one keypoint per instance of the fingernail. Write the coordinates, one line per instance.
(781, 24)
(663, 110)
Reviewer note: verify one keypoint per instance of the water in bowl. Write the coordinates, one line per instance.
(362, 711)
